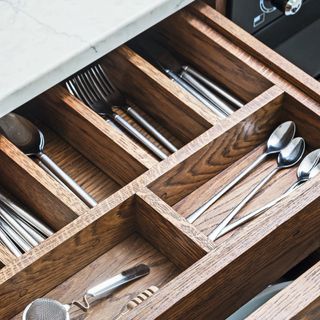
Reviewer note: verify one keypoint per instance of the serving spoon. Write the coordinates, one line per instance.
(307, 170)
(30, 140)
(279, 139)
(288, 157)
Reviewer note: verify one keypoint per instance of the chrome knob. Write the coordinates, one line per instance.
(288, 7)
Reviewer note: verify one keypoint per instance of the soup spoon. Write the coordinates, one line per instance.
(279, 139)
(30, 140)
(307, 170)
(288, 157)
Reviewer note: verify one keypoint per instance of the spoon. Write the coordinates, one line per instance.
(288, 157)
(30, 140)
(307, 170)
(279, 139)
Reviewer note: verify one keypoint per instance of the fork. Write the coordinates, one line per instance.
(95, 89)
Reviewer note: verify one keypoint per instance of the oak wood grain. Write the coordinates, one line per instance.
(128, 253)
(176, 238)
(252, 124)
(257, 49)
(240, 267)
(220, 32)
(64, 253)
(109, 149)
(142, 203)
(192, 39)
(174, 108)
(300, 300)
(6, 257)
(36, 189)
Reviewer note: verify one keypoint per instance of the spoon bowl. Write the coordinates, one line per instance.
(315, 171)
(307, 164)
(22, 133)
(30, 140)
(278, 140)
(281, 137)
(291, 154)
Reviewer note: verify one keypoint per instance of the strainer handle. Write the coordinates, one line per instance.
(103, 289)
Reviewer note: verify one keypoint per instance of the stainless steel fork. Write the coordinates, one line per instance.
(95, 89)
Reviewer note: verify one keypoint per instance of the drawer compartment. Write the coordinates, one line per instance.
(143, 202)
(105, 245)
(194, 44)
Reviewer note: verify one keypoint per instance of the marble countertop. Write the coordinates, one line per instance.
(43, 42)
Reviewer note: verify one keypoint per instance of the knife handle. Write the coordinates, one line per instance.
(195, 93)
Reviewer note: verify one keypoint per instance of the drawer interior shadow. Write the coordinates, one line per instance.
(79, 146)
(114, 242)
(194, 44)
(154, 96)
(187, 186)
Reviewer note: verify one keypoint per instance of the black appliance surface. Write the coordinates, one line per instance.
(296, 37)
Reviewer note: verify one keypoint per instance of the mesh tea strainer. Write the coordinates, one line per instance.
(48, 309)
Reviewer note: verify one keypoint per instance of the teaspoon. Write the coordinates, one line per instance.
(288, 157)
(307, 170)
(30, 140)
(279, 139)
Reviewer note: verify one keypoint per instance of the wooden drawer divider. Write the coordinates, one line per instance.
(147, 200)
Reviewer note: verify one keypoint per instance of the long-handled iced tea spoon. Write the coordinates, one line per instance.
(302, 178)
(30, 140)
(288, 157)
(279, 139)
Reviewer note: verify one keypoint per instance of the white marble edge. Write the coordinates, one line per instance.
(17, 85)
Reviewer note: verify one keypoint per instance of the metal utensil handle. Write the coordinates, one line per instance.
(216, 100)
(214, 234)
(8, 243)
(17, 227)
(70, 183)
(259, 211)
(126, 125)
(214, 86)
(195, 93)
(26, 216)
(104, 288)
(150, 128)
(33, 233)
(14, 236)
(197, 213)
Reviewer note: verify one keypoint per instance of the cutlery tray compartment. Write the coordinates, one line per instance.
(179, 116)
(99, 245)
(192, 182)
(143, 203)
(197, 45)
(80, 142)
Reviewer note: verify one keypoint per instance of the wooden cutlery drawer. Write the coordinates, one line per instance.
(143, 203)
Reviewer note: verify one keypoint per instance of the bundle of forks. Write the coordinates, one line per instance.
(94, 88)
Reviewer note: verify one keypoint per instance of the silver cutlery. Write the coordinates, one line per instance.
(279, 139)
(7, 217)
(30, 140)
(212, 97)
(94, 89)
(6, 240)
(15, 236)
(166, 62)
(25, 215)
(288, 157)
(212, 85)
(48, 309)
(33, 233)
(307, 170)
